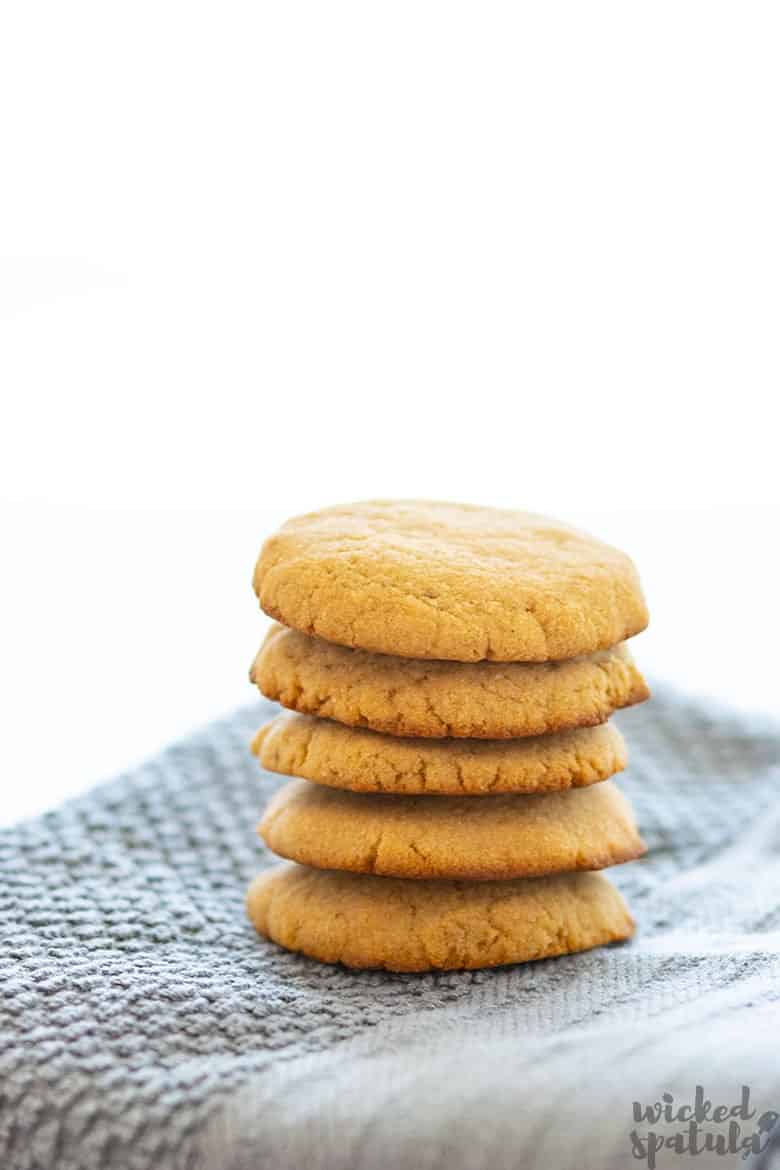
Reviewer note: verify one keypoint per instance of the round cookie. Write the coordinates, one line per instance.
(366, 761)
(451, 836)
(413, 697)
(364, 921)
(423, 579)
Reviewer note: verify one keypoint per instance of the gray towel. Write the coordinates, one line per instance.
(145, 1026)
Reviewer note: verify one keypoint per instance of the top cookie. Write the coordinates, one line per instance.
(424, 579)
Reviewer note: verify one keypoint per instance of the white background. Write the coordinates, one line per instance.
(257, 258)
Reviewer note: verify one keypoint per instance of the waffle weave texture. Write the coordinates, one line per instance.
(145, 1026)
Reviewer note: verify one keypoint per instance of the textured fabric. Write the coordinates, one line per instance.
(143, 1024)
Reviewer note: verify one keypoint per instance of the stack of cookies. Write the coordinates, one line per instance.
(449, 673)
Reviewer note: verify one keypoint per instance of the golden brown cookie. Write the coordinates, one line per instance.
(365, 921)
(365, 761)
(425, 579)
(409, 696)
(452, 836)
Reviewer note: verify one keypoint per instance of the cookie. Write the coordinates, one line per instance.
(434, 580)
(365, 921)
(365, 761)
(452, 836)
(409, 696)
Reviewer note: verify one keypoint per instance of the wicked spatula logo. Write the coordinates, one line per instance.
(700, 1126)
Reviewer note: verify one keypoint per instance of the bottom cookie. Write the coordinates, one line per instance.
(400, 924)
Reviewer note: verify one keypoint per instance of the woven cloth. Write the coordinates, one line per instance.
(145, 1026)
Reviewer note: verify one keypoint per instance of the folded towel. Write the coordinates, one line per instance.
(145, 1026)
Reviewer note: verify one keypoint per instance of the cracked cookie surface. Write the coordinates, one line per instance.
(364, 921)
(415, 697)
(498, 837)
(423, 579)
(353, 758)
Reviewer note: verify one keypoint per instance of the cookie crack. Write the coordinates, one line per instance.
(373, 852)
(418, 852)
